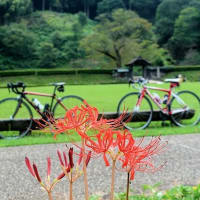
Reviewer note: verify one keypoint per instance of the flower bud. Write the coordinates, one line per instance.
(71, 163)
(60, 157)
(88, 158)
(36, 173)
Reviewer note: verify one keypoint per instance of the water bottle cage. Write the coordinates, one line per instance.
(46, 108)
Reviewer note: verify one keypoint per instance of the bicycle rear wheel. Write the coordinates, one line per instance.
(139, 117)
(15, 118)
(69, 102)
(185, 109)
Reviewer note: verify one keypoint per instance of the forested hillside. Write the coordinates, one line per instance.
(98, 33)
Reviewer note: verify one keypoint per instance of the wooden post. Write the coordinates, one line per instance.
(158, 72)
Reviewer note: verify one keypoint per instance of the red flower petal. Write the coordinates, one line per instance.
(88, 158)
(60, 158)
(60, 176)
(28, 164)
(36, 173)
(65, 159)
(71, 163)
(48, 166)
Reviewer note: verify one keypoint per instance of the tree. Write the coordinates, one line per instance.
(195, 4)
(120, 37)
(186, 32)
(166, 14)
(106, 6)
(145, 8)
(11, 9)
(17, 41)
(87, 4)
(47, 55)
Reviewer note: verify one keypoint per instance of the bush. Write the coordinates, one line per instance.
(192, 58)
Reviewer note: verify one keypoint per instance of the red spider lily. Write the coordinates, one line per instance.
(68, 166)
(34, 172)
(140, 158)
(81, 119)
(113, 142)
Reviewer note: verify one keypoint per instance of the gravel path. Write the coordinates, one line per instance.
(182, 167)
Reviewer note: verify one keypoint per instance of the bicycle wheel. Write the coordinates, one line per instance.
(139, 117)
(185, 109)
(69, 102)
(15, 118)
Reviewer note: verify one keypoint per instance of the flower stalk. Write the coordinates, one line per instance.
(73, 172)
(128, 186)
(112, 180)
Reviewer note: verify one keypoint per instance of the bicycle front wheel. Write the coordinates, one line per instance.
(68, 102)
(139, 117)
(185, 109)
(15, 118)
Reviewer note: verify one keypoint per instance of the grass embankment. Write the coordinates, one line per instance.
(71, 79)
(76, 77)
(105, 98)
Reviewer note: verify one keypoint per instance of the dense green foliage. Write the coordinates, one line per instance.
(175, 193)
(48, 34)
(122, 36)
(177, 26)
(43, 39)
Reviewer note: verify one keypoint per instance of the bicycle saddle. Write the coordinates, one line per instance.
(58, 84)
(173, 80)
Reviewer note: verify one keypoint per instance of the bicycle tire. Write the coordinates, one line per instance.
(138, 120)
(187, 114)
(69, 102)
(10, 110)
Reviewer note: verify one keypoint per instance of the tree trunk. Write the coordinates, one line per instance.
(118, 57)
(43, 4)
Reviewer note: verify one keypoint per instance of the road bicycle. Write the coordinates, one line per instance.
(182, 108)
(19, 109)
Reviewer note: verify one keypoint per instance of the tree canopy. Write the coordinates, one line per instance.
(186, 32)
(11, 9)
(122, 36)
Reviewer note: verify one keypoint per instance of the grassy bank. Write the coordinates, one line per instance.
(47, 138)
(81, 76)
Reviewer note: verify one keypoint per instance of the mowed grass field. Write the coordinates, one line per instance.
(106, 98)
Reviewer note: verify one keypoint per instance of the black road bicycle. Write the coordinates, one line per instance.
(16, 116)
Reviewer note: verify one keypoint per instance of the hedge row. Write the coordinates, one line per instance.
(182, 68)
(53, 72)
(86, 71)
(178, 68)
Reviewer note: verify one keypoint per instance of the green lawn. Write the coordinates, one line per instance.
(105, 98)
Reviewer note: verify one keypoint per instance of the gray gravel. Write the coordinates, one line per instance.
(182, 167)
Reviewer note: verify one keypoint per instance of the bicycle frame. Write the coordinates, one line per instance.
(169, 92)
(53, 97)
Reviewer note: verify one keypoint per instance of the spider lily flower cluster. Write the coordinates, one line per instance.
(109, 140)
(68, 167)
(48, 186)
